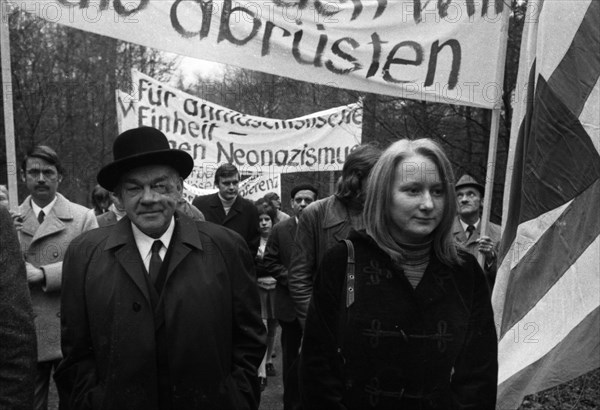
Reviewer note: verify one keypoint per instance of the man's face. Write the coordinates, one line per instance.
(229, 187)
(42, 179)
(468, 200)
(149, 195)
(301, 200)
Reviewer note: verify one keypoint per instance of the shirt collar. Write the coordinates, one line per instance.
(465, 225)
(46, 209)
(144, 242)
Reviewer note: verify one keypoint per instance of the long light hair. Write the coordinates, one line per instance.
(378, 204)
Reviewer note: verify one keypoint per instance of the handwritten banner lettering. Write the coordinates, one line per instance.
(214, 135)
(441, 51)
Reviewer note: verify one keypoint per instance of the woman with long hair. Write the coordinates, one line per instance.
(407, 321)
(266, 289)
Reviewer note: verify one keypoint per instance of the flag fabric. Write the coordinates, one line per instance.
(547, 294)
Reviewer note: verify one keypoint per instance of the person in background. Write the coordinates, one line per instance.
(101, 200)
(467, 225)
(266, 289)
(274, 201)
(47, 223)
(4, 196)
(114, 214)
(277, 262)
(158, 311)
(190, 210)
(226, 207)
(327, 221)
(408, 323)
(17, 332)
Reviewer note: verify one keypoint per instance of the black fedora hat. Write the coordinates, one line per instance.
(139, 147)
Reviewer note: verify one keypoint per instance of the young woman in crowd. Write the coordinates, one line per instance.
(412, 327)
(266, 288)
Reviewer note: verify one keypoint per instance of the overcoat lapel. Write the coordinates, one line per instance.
(186, 237)
(53, 223)
(235, 209)
(127, 254)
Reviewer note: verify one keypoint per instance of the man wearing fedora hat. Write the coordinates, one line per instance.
(467, 225)
(160, 312)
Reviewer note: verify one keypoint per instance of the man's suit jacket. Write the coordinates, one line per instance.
(470, 245)
(242, 217)
(276, 261)
(17, 333)
(44, 246)
(209, 311)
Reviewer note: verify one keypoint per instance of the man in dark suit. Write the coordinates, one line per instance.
(160, 312)
(229, 209)
(277, 258)
(17, 333)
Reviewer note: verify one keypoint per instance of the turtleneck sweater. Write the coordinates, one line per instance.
(226, 204)
(415, 261)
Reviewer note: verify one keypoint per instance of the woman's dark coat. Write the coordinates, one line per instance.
(433, 347)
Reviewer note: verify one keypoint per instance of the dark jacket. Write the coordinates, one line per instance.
(276, 261)
(433, 347)
(242, 217)
(322, 224)
(17, 333)
(209, 312)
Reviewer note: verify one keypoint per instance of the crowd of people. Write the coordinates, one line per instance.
(147, 301)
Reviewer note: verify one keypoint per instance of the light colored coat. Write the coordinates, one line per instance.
(44, 246)
(471, 245)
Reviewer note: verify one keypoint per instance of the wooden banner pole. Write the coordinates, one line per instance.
(9, 125)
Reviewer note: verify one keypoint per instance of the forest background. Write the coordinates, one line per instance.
(63, 94)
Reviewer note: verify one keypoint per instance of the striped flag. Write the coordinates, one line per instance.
(547, 294)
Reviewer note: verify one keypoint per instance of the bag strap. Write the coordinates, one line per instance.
(345, 302)
(349, 274)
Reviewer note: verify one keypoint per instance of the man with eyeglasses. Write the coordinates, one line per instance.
(160, 312)
(278, 254)
(467, 225)
(226, 207)
(47, 222)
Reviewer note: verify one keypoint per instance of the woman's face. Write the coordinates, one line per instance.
(418, 200)
(264, 224)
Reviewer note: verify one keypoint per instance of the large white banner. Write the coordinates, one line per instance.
(214, 135)
(442, 51)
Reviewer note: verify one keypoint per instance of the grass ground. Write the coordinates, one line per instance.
(582, 393)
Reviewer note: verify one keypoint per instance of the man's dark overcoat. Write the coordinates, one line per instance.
(17, 332)
(278, 254)
(242, 217)
(209, 314)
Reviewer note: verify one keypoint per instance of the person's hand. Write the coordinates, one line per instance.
(34, 275)
(17, 219)
(486, 246)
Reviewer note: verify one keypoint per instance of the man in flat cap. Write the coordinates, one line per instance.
(160, 312)
(467, 225)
